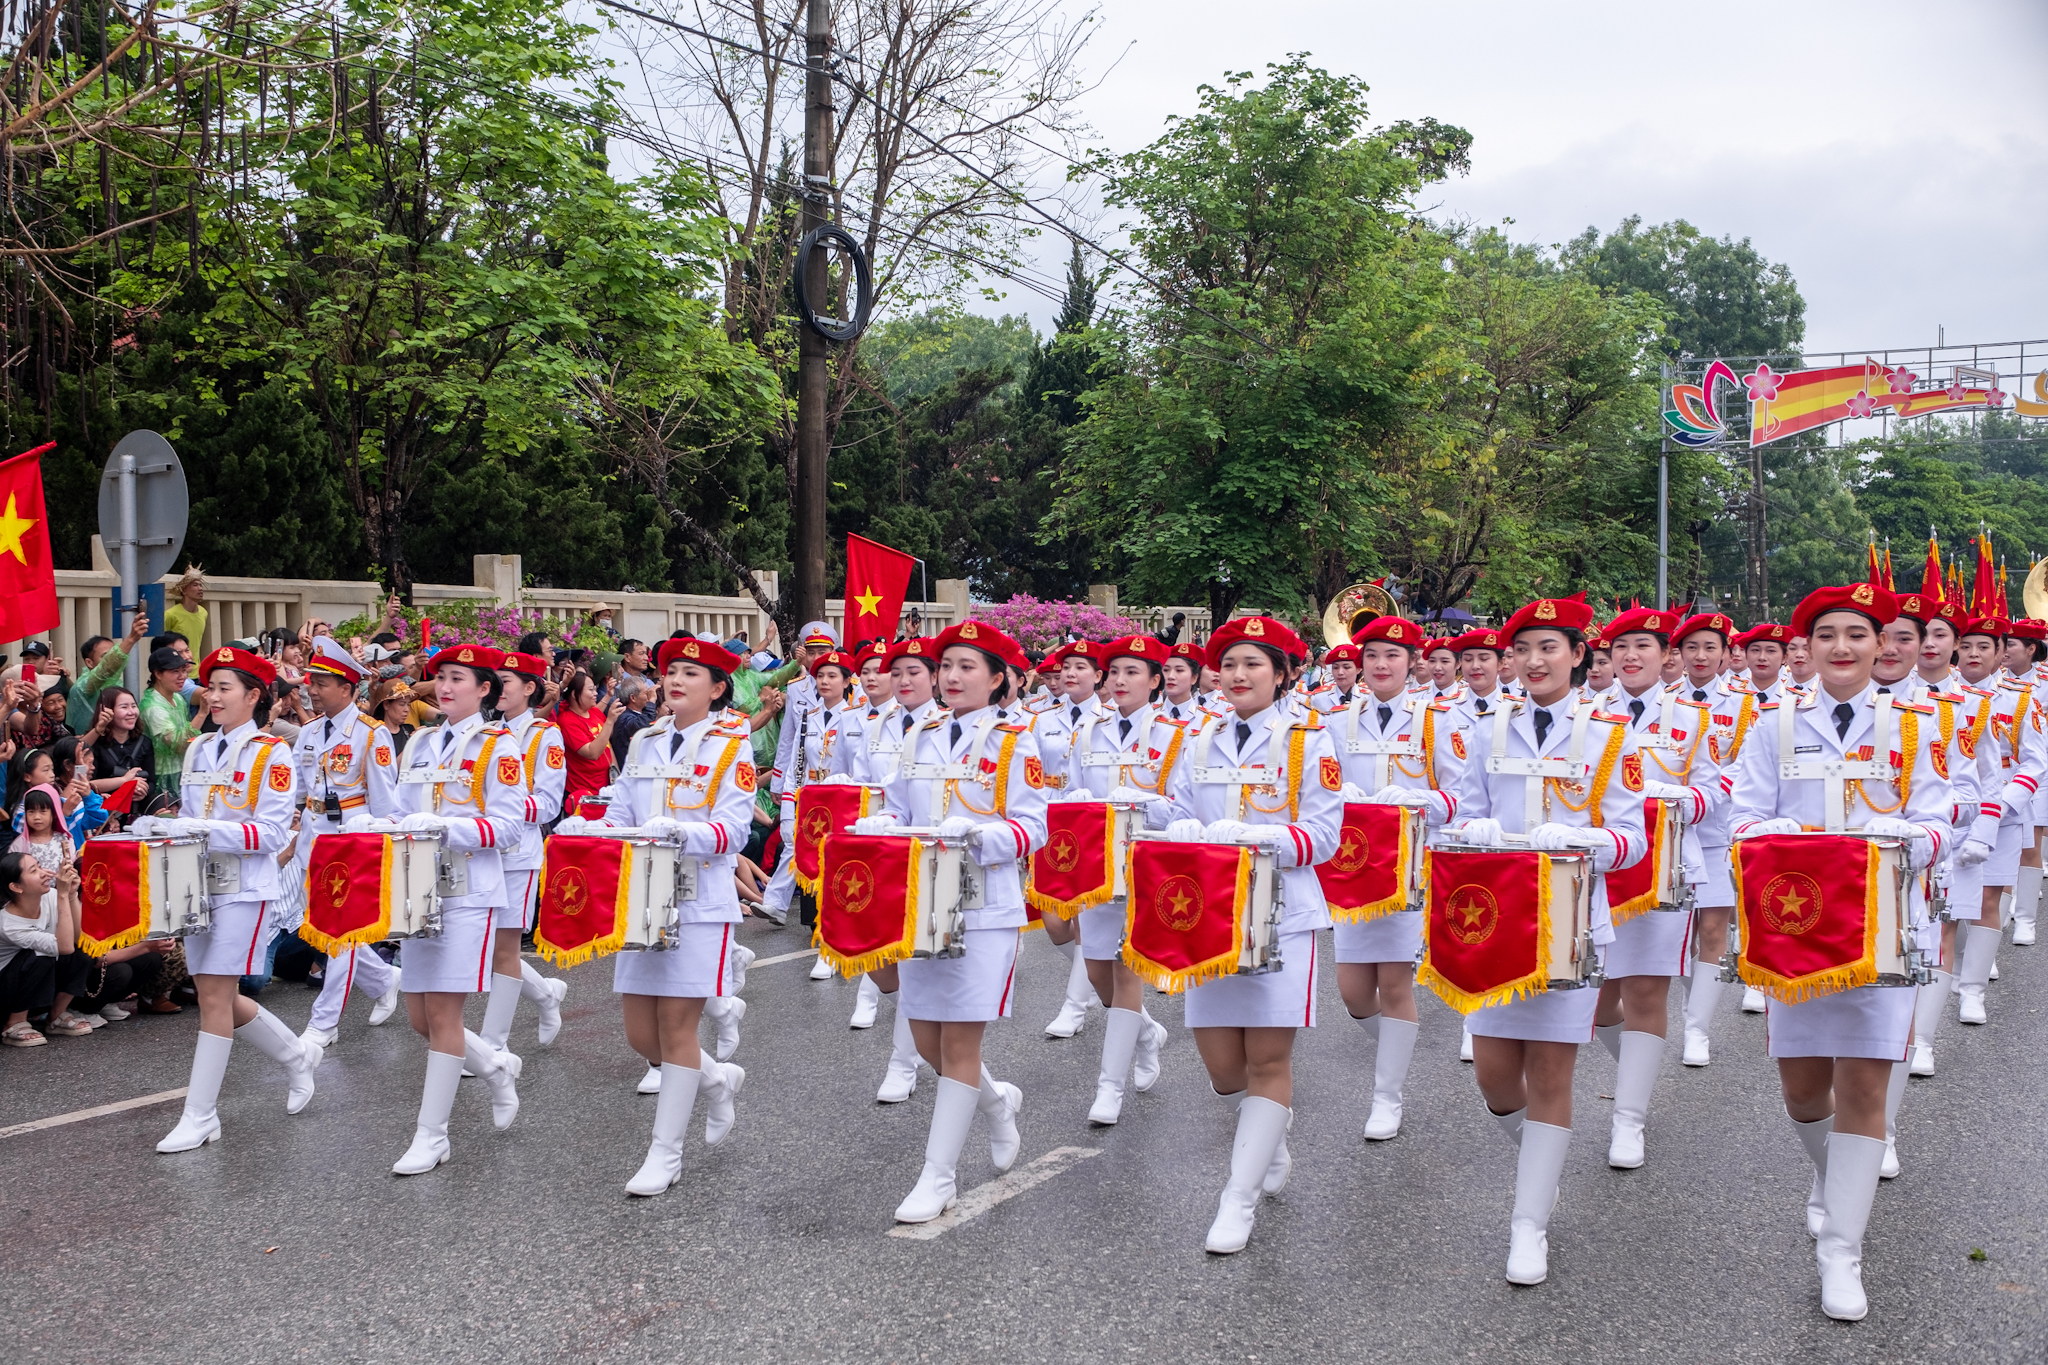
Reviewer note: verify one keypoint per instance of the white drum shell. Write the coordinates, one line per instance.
(177, 886)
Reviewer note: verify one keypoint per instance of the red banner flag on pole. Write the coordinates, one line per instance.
(28, 576)
(877, 578)
(1930, 577)
(1985, 598)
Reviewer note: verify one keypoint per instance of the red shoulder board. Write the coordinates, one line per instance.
(1767, 706)
(1611, 720)
(1176, 724)
(1011, 729)
(1917, 707)
(1442, 703)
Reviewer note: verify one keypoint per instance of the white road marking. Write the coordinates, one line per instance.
(982, 1198)
(98, 1111)
(781, 957)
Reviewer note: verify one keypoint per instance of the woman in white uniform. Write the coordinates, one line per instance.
(522, 680)
(1398, 747)
(1125, 753)
(1181, 671)
(1835, 1052)
(239, 791)
(688, 776)
(1244, 1026)
(1525, 1051)
(1960, 716)
(1651, 945)
(970, 774)
(460, 779)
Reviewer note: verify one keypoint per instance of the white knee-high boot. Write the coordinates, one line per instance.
(1261, 1128)
(200, 1123)
(1853, 1163)
(664, 1164)
(1152, 1039)
(1073, 1013)
(867, 1001)
(1699, 1012)
(999, 1103)
(430, 1136)
(899, 1082)
(500, 1069)
(1119, 1047)
(952, 1115)
(2026, 904)
(547, 993)
(296, 1054)
(1814, 1138)
(1894, 1091)
(499, 1007)
(1635, 1075)
(1979, 944)
(1926, 1019)
(1389, 1076)
(1536, 1175)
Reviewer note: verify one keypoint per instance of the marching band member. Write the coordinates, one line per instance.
(1405, 749)
(1244, 1026)
(1479, 674)
(810, 733)
(1601, 688)
(1180, 673)
(461, 779)
(1763, 649)
(1525, 1051)
(998, 805)
(1341, 667)
(1700, 643)
(1125, 754)
(1799, 665)
(237, 772)
(1081, 670)
(1442, 663)
(2016, 762)
(1674, 764)
(522, 681)
(1835, 1052)
(688, 775)
(347, 765)
(2025, 653)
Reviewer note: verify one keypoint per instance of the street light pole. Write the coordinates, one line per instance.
(813, 448)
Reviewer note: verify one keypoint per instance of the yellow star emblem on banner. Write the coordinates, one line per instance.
(13, 527)
(870, 601)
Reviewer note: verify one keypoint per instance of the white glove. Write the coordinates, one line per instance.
(1552, 837)
(1972, 853)
(1225, 832)
(661, 827)
(184, 827)
(993, 843)
(1187, 831)
(358, 824)
(1919, 843)
(875, 824)
(423, 822)
(1134, 794)
(1780, 824)
(1480, 830)
(1681, 798)
(955, 827)
(1391, 795)
(1354, 795)
(149, 827)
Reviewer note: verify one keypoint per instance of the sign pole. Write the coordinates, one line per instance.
(131, 590)
(1664, 503)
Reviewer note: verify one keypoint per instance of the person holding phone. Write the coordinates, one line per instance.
(587, 736)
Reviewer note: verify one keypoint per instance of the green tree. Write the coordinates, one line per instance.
(1723, 298)
(916, 355)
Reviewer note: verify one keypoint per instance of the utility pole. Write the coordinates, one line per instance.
(1664, 494)
(813, 448)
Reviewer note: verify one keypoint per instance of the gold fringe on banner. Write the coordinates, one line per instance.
(376, 931)
(809, 885)
(1052, 905)
(1521, 988)
(901, 950)
(1636, 905)
(1172, 981)
(1385, 905)
(100, 947)
(1797, 990)
(602, 946)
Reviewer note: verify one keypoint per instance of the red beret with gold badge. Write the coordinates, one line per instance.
(1392, 629)
(986, 638)
(241, 660)
(1258, 630)
(1706, 620)
(1549, 613)
(1881, 605)
(709, 653)
(489, 658)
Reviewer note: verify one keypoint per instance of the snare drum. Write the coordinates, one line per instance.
(949, 884)
(612, 888)
(1811, 902)
(372, 883)
(126, 879)
(1178, 926)
(883, 898)
(1483, 936)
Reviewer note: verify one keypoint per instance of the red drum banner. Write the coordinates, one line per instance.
(1363, 880)
(822, 808)
(1807, 905)
(584, 884)
(1486, 938)
(1075, 869)
(113, 894)
(1186, 911)
(348, 891)
(867, 901)
(1632, 890)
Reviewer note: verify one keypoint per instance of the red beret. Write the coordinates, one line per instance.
(1997, 627)
(1080, 649)
(1135, 647)
(1764, 632)
(487, 657)
(2027, 628)
(1393, 629)
(874, 649)
(1475, 639)
(837, 656)
(1343, 654)
(1549, 613)
(1706, 620)
(1879, 604)
(916, 647)
(985, 637)
(532, 665)
(1258, 630)
(1189, 650)
(1641, 620)
(241, 660)
(706, 652)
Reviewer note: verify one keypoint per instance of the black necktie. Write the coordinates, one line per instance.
(675, 743)
(1843, 715)
(1386, 714)
(330, 730)
(1699, 694)
(1884, 691)
(1244, 737)
(1480, 702)
(906, 722)
(1635, 709)
(1123, 730)
(1174, 712)
(1542, 723)
(953, 736)
(1074, 718)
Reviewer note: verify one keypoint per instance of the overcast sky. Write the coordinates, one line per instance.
(1894, 155)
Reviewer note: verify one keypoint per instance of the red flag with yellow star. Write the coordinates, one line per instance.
(877, 578)
(1808, 904)
(28, 577)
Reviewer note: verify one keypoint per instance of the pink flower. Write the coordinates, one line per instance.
(1902, 379)
(1763, 385)
(1956, 392)
(1994, 397)
(1862, 405)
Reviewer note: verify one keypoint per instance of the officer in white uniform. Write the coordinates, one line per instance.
(1081, 670)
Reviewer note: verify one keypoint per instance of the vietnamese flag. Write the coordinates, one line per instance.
(1930, 574)
(28, 578)
(877, 578)
(121, 800)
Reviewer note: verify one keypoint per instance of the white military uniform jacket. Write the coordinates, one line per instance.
(353, 758)
(467, 772)
(981, 767)
(1105, 754)
(703, 779)
(544, 765)
(1419, 745)
(1674, 734)
(242, 783)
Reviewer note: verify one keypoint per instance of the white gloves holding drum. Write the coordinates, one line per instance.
(1684, 799)
(1392, 795)
(955, 827)
(1135, 795)
(875, 824)
(1778, 824)
(572, 824)
(661, 827)
(149, 827)
(1187, 831)
(1237, 832)
(1482, 830)
(1919, 843)
(1552, 837)
(422, 822)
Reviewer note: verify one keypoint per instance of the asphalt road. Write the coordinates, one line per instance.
(290, 1239)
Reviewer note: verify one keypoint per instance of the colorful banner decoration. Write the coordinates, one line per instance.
(1486, 938)
(348, 892)
(2038, 405)
(1185, 921)
(1076, 868)
(1785, 404)
(867, 908)
(822, 808)
(584, 885)
(1632, 890)
(1364, 878)
(1808, 905)
(113, 894)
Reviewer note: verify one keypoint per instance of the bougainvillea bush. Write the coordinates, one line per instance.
(1039, 626)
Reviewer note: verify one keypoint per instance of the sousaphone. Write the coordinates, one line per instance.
(2035, 593)
(1357, 605)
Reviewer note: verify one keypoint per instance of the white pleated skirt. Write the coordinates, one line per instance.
(1102, 930)
(1870, 1021)
(1654, 943)
(1282, 999)
(1390, 938)
(1560, 1016)
(975, 988)
(236, 942)
(458, 960)
(522, 892)
(697, 968)
(1717, 892)
(2002, 868)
